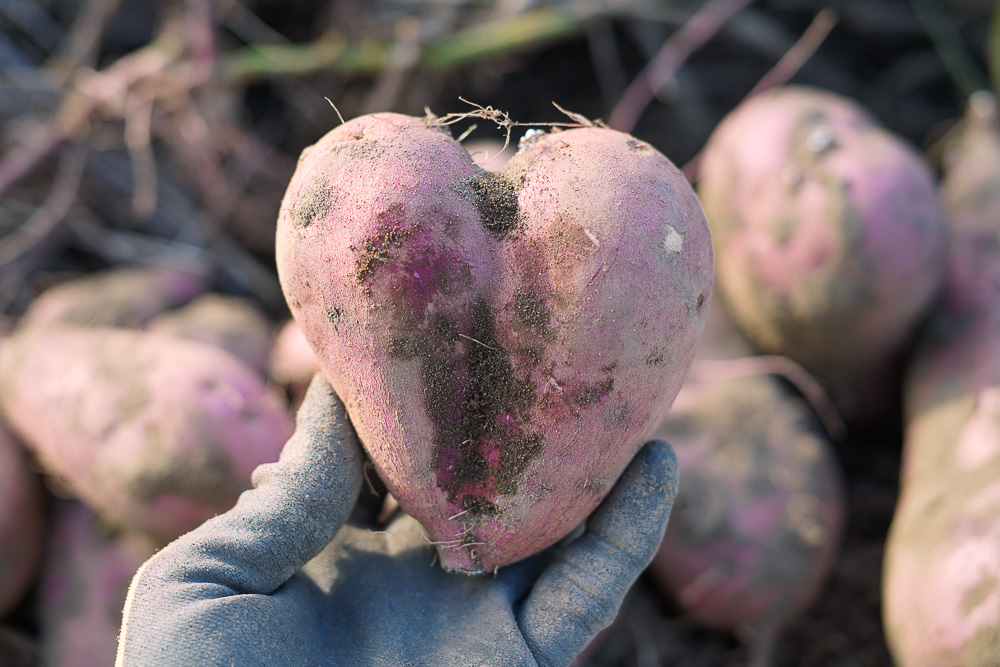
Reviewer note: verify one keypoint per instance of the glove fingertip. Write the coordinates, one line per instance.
(660, 467)
(319, 397)
(647, 489)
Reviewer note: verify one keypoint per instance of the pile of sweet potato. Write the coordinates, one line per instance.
(135, 405)
(839, 254)
(942, 564)
(505, 336)
(832, 254)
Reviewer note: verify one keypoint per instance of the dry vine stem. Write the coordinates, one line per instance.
(783, 71)
(675, 51)
(128, 88)
(91, 93)
(503, 121)
(55, 207)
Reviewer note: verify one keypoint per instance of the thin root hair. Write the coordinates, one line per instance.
(335, 109)
(419, 536)
(503, 121)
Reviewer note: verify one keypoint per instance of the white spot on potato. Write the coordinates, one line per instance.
(590, 235)
(530, 137)
(982, 104)
(673, 242)
(820, 139)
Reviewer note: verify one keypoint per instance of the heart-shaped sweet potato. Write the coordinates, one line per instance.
(503, 342)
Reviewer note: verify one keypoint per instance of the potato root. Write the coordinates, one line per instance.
(760, 509)
(123, 297)
(942, 562)
(504, 342)
(157, 434)
(292, 363)
(84, 582)
(829, 236)
(228, 322)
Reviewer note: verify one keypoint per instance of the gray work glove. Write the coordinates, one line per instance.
(281, 579)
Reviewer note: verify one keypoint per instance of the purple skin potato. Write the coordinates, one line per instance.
(946, 530)
(293, 363)
(85, 580)
(829, 236)
(490, 154)
(155, 433)
(951, 618)
(759, 513)
(760, 510)
(126, 297)
(231, 323)
(503, 341)
(970, 194)
(21, 522)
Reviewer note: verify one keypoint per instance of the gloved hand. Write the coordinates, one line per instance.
(282, 580)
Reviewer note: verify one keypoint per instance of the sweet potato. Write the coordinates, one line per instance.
(760, 509)
(292, 363)
(21, 522)
(829, 236)
(503, 341)
(123, 297)
(942, 564)
(84, 582)
(155, 433)
(231, 323)
(490, 154)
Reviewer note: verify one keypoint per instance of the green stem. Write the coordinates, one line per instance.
(994, 50)
(334, 53)
(331, 52)
(948, 44)
(485, 40)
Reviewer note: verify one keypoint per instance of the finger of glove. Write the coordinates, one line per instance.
(580, 592)
(296, 507)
